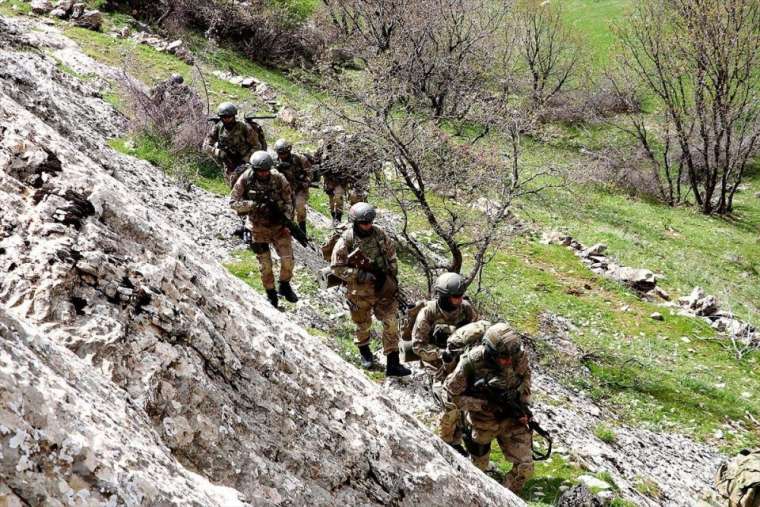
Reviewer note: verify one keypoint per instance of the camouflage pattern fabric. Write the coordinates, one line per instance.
(257, 199)
(433, 315)
(297, 170)
(336, 192)
(238, 141)
(363, 298)
(739, 480)
(513, 438)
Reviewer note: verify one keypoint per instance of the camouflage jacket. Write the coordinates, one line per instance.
(473, 366)
(297, 170)
(739, 479)
(260, 199)
(432, 316)
(238, 143)
(378, 248)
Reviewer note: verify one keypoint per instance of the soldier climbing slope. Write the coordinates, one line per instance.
(491, 384)
(232, 142)
(297, 169)
(435, 322)
(339, 179)
(265, 197)
(365, 258)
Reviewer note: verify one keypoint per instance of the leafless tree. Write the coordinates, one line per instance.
(699, 59)
(369, 23)
(548, 48)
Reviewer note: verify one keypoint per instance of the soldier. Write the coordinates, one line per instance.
(297, 169)
(498, 368)
(232, 142)
(365, 258)
(440, 317)
(738, 480)
(265, 196)
(437, 320)
(340, 180)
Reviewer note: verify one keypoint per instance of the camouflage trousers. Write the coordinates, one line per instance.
(449, 421)
(231, 174)
(362, 307)
(300, 198)
(336, 192)
(515, 441)
(279, 237)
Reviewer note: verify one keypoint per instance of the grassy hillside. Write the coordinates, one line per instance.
(676, 374)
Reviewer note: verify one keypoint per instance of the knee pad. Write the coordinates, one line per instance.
(260, 248)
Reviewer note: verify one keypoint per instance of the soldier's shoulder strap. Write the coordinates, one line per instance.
(468, 367)
(348, 238)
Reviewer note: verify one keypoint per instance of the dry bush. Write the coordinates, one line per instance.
(265, 32)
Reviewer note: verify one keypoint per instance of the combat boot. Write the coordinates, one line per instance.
(393, 368)
(286, 291)
(272, 296)
(460, 449)
(302, 226)
(368, 360)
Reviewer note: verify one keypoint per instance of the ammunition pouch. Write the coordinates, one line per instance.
(326, 278)
(260, 248)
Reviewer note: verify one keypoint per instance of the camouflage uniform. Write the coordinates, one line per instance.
(297, 169)
(363, 298)
(739, 480)
(514, 438)
(336, 188)
(238, 141)
(254, 197)
(430, 318)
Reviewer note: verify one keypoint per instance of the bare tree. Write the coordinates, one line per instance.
(369, 23)
(699, 59)
(549, 50)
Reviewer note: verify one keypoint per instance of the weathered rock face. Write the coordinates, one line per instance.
(134, 370)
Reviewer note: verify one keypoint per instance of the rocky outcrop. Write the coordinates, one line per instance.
(134, 370)
(639, 279)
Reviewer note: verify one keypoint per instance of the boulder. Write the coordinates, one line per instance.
(555, 238)
(288, 116)
(691, 300)
(92, 20)
(597, 249)
(41, 6)
(706, 306)
(656, 316)
(78, 9)
(640, 279)
(579, 496)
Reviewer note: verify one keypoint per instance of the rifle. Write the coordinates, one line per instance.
(247, 117)
(280, 216)
(357, 259)
(506, 404)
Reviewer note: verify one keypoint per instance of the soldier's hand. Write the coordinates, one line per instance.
(365, 277)
(219, 153)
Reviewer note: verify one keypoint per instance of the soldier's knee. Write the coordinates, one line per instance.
(260, 248)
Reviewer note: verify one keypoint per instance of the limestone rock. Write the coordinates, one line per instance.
(92, 20)
(288, 116)
(595, 250)
(579, 496)
(640, 279)
(41, 6)
(657, 316)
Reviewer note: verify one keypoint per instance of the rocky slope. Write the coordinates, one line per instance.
(134, 370)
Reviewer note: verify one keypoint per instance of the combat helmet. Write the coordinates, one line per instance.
(450, 284)
(501, 341)
(226, 109)
(362, 212)
(282, 146)
(261, 160)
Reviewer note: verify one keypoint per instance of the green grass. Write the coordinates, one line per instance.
(605, 433)
(15, 8)
(593, 19)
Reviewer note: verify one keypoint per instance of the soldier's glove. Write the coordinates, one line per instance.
(365, 277)
(447, 356)
(219, 153)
